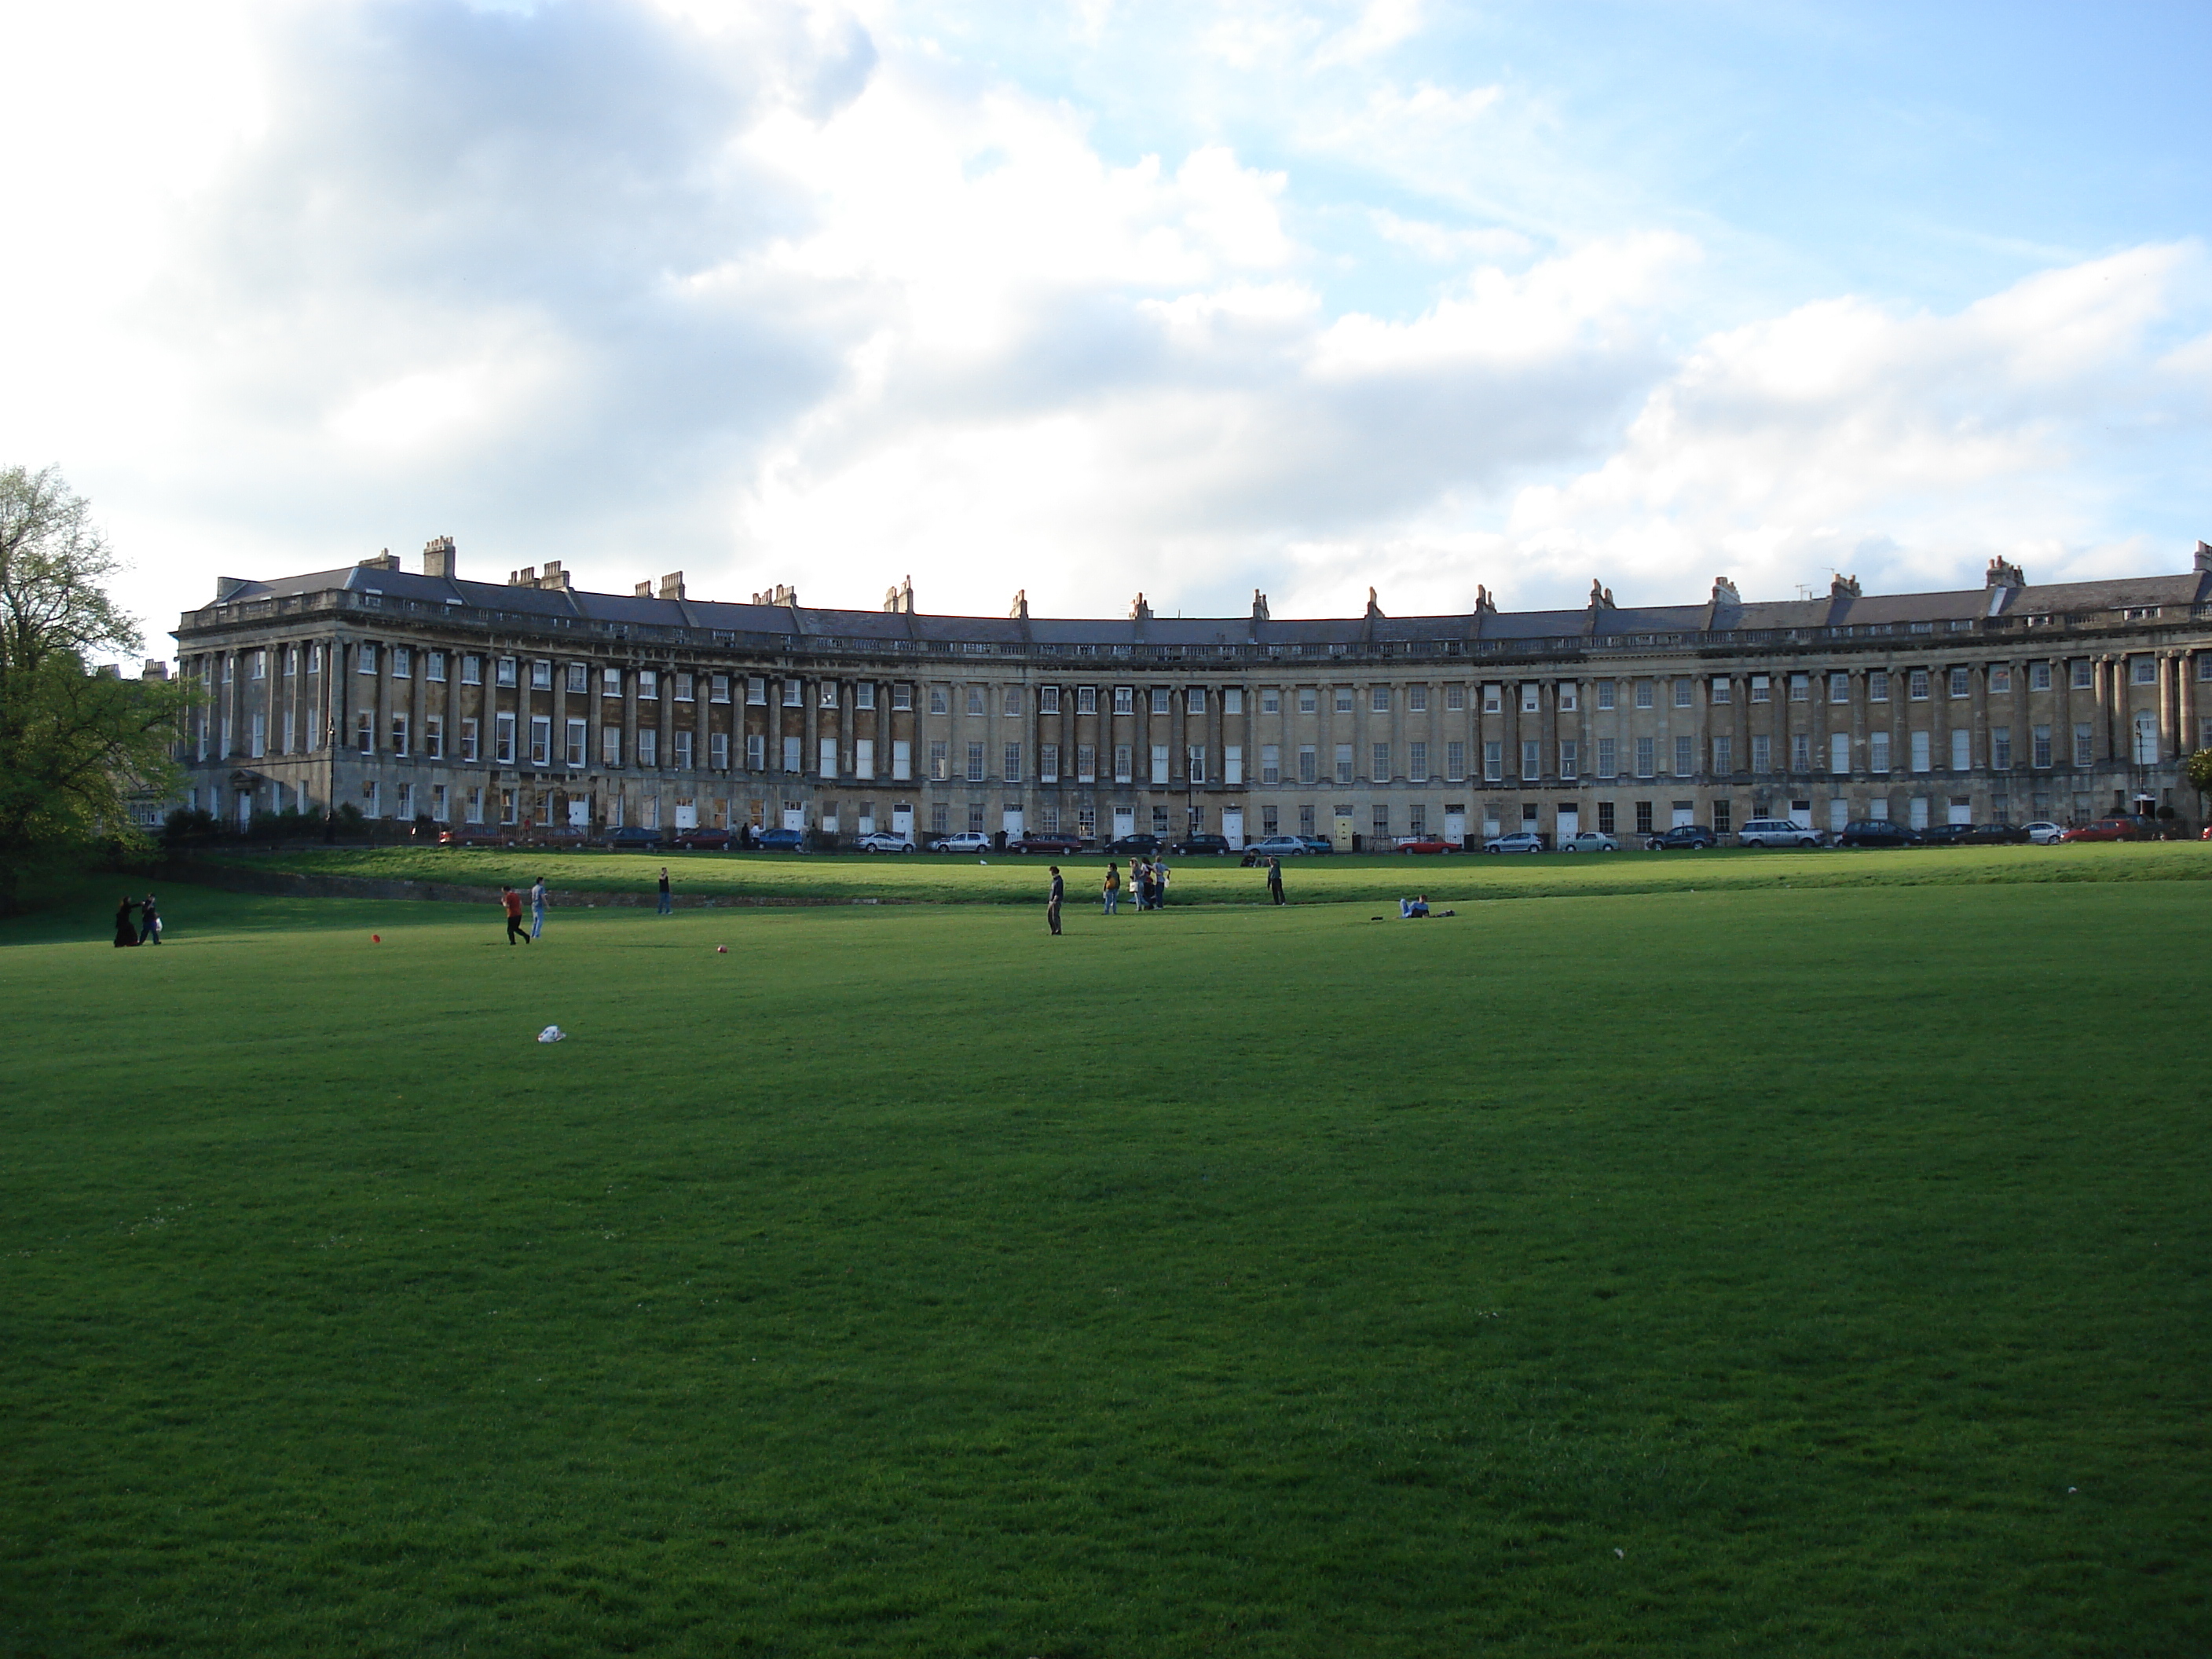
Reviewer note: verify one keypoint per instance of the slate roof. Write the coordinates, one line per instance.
(779, 622)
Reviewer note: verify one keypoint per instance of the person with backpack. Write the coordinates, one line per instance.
(1110, 894)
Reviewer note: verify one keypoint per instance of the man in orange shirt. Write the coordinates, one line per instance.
(515, 930)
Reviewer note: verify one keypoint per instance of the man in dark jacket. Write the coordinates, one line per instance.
(1052, 904)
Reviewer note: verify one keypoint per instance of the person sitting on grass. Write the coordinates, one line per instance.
(1414, 909)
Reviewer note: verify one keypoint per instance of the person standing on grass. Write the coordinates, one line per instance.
(537, 907)
(667, 904)
(1052, 902)
(126, 923)
(1275, 879)
(515, 930)
(1160, 883)
(149, 921)
(1110, 894)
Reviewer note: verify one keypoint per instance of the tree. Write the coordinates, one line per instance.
(75, 740)
(2199, 774)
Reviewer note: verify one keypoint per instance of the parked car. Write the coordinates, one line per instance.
(1694, 836)
(1040, 842)
(475, 834)
(1995, 835)
(2112, 828)
(779, 840)
(1589, 841)
(1139, 846)
(1425, 844)
(967, 841)
(1946, 834)
(2043, 833)
(703, 841)
(630, 838)
(1318, 843)
(1521, 841)
(1877, 832)
(1777, 832)
(1275, 846)
(1202, 846)
(882, 841)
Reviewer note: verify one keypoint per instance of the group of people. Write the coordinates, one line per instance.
(137, 921)
(1148, 885)
(511, 901)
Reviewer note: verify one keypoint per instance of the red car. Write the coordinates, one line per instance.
(702, 840)
(2106, 830)
(1425, 844)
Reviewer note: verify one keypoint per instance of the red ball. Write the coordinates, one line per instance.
(376, 939)
(721, 950)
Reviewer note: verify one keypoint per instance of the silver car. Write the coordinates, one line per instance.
(1589, 841)
(1777, 832)
(1521, 841)
(882, 841)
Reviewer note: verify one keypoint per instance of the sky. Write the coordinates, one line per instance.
(1089, 298)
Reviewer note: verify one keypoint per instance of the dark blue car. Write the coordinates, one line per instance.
(779, 840)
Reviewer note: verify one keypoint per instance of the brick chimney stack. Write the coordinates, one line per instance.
(438, 557)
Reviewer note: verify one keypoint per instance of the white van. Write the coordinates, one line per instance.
(1777, 832)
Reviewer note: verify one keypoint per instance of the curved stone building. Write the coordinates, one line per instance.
(526, 704)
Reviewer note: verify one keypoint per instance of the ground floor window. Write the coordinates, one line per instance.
(1643, 817)
(1159, 820)
(1417, 820)
(506, 806)
(940, 817)
(1722, 819)
(1306, 819)
(975, 817)
(1381, 823)
(1268, 820)
(1086, 820)
(1604, 818)
(1048, 820)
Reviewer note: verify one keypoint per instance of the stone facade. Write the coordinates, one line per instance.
(532, 703)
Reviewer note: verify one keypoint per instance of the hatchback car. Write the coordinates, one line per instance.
(1695, 837)
(630, 838)
(1142, 846)
(1318, 843)
(1521, 841)
(1275, 846)
(1589, 841)
(968, 841)
(779, 840)
(1425, 844)
(1877, 832)
(882, 841)
(2114, 829)
(2043, 833)
(1202, 846)
(703, 840)
(1777, 832)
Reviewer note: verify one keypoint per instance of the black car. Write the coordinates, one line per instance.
(1040, 842)
(1693, 836)
(1996, 835)
(1191, 847)
(631, 838)
(1138, 845)
(1947, 835)
(1876, 832)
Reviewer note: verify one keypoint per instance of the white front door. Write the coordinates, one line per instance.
(1570, 820)
(579, 812)
(903, 822)
(1125, 822)
(1232, 827)
(794, 815)
(1010, 820)
(1962, 812)
(1455, 828)
(1685, 815)
(687, 815)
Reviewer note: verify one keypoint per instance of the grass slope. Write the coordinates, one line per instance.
(946, 879)
(1812, 1272)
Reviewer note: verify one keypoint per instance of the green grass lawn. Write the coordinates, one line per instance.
(1000, 878)
(1755, 1270)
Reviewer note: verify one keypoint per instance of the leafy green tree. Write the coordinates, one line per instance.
(75, 741)
(2199, 773)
